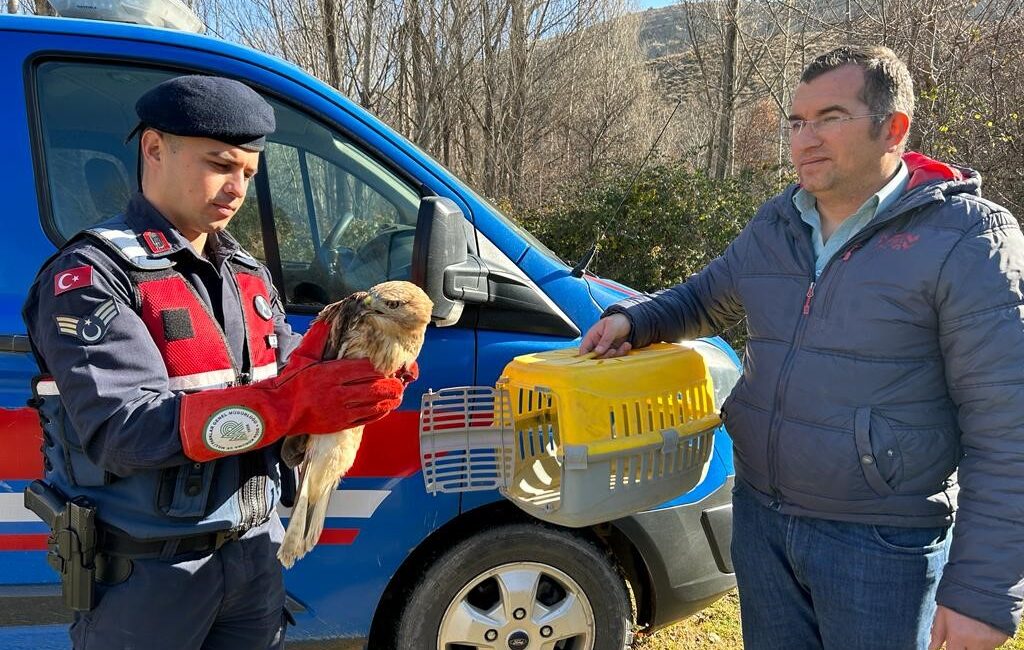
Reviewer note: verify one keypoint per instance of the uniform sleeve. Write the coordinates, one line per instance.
(981, 316)
(111, 377)
(707, 303)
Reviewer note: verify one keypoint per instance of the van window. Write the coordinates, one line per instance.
(85, 112)
(343, 221)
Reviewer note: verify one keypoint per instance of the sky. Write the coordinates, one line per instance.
(648, 4)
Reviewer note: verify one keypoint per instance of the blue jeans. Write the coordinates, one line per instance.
(813, 583)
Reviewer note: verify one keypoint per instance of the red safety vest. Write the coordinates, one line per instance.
(192, 344)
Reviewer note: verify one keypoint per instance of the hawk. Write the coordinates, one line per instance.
(385, 325)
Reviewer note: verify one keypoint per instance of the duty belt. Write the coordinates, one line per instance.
(118, 544)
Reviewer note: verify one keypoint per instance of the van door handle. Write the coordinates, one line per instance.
(14, 343)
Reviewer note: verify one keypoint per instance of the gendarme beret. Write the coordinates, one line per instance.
(207, 107)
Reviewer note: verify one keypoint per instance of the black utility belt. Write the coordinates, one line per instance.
(83, 551)
(118, 544)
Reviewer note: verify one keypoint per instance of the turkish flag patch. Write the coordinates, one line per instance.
(76, 278)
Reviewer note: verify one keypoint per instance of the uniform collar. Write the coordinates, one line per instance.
(159, 236)
(162, 239)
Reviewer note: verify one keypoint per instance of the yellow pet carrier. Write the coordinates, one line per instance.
(575, 440)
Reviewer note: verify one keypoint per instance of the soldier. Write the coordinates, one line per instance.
(161, 341)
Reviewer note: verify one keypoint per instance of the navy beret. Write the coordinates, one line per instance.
(207, 107)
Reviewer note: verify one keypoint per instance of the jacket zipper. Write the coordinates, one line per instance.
(780, 389)
(787, 365)
(252, 498)
(830, 290)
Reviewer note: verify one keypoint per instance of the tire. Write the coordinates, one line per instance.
(551, 578)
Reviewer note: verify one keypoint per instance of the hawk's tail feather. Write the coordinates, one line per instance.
(308, 517)
(291, 545)
(315, 519)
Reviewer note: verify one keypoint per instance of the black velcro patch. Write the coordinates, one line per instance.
(177, 324)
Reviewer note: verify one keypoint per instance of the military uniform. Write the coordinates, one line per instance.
(149, 411)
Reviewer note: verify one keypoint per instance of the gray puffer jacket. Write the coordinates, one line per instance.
(867, 392)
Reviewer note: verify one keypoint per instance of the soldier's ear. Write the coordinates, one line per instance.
(153, 145)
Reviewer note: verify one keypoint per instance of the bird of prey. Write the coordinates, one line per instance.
(385, 325)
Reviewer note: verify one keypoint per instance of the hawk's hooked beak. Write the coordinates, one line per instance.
(371, 302)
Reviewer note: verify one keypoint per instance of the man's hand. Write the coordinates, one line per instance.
(607, 338)
(960, 632)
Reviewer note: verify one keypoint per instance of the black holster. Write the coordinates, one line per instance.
(72, 543)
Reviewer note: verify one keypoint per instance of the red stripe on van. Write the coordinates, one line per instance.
(34, 542)
(390, 447)
(21, 439)
(338, 536)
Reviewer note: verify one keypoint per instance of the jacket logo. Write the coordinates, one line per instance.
(93, 327)
(900, 242)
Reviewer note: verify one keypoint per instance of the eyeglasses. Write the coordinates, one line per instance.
(825, 125)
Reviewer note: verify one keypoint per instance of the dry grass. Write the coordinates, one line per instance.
(718, 628)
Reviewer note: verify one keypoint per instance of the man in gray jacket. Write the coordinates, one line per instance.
(885, 359)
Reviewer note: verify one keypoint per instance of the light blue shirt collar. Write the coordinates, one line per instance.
(876, 203)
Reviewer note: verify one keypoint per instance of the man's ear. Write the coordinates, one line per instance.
(153, 146)
(899, 128)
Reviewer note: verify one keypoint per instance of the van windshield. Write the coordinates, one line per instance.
(527, 236)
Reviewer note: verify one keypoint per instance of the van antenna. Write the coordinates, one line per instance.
(588, 257)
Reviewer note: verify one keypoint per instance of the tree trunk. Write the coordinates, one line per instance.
(331, 38)
(515, 134)
(366, 56)
(727, 116)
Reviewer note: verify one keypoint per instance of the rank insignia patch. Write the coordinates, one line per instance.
(156, 241)
(93, 327)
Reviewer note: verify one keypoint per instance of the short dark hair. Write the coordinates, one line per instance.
(888, 86)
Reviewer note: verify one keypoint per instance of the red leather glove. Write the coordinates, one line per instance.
(310, 396)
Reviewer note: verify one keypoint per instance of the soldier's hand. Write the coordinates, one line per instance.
(607, 338)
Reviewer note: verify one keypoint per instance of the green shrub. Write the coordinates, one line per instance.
(673, 222)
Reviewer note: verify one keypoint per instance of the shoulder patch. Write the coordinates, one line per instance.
(91, 328)
(126, 243)
(76, 278)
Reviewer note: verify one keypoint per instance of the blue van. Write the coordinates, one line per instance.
(341, 202)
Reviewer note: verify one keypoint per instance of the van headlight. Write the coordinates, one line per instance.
(723, 370)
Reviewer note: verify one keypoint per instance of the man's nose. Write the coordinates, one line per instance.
(806, 138)
(236, 184)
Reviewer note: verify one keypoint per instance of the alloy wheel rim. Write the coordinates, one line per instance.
(519, 606)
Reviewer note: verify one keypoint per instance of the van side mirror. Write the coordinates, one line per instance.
(441, 263)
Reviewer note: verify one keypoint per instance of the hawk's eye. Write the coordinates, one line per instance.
(393, 304)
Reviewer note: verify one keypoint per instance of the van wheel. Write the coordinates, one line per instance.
(519, 587)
